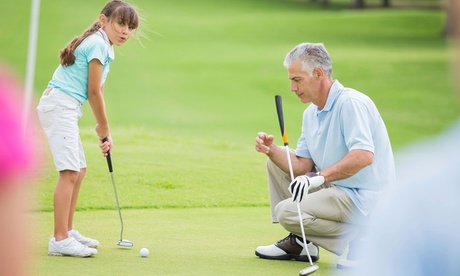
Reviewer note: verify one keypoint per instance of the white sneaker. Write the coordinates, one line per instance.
(69, 247)
(82, 239)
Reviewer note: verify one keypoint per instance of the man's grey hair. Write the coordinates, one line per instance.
(311, 55)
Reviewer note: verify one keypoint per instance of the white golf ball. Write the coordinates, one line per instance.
(144, 252)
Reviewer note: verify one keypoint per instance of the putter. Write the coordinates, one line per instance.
(121, 242)
(279, 108)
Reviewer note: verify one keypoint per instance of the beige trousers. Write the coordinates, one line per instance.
(330, 218)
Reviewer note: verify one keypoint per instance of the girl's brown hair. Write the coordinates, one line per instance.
(113, 10)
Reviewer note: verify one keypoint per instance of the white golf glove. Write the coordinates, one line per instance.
(303, 183)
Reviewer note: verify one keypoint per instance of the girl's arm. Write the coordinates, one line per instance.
(96, 99)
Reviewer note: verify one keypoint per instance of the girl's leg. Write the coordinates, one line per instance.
(76, 191)
(62, 202)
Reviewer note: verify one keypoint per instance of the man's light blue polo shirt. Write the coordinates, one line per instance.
(349, 121)
(73, 79)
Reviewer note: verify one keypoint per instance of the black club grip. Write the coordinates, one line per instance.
(109, 159)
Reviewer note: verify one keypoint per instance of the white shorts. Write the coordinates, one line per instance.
(59, 114)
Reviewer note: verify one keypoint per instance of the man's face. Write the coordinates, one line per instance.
(304, 86)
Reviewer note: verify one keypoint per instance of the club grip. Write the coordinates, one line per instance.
(109, 159)
(279, 110)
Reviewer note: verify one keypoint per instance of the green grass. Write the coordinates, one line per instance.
(191, 241)
(185, 107)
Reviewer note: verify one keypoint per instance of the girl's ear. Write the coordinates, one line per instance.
(102, 20)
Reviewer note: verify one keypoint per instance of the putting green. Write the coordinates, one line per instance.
(195, 241)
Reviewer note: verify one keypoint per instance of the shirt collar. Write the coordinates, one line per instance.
(332, 96)
(103, 34)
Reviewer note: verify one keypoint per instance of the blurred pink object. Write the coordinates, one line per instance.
(14, 150)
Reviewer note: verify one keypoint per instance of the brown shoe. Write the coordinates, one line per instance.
(288, 248)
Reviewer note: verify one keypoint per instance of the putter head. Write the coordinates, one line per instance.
(125, 243)
(308, 270)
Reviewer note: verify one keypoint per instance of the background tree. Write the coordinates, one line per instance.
(359, 4)
(451, 27)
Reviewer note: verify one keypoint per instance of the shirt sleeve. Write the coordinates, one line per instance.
(95, 49)
(356, 125)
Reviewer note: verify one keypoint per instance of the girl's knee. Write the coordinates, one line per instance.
(69, 176)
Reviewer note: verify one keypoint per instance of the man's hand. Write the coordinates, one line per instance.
(303, 183)
(263, 142)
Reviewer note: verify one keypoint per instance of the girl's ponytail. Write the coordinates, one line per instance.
(67, 55)
(114, 9)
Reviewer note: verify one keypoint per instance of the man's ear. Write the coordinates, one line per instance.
(318, 73)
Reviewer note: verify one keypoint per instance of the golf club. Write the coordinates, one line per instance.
(279, 109)
(121, 242)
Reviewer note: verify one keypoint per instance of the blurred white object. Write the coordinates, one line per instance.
(415, 229)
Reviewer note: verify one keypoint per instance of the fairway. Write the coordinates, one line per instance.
(185, 103)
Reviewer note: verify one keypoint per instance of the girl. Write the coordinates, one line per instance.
(81, 75)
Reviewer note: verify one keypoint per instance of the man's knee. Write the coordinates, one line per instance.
(284, 213)
(288, 216)
(277, 173)
(271, 166)
(277, 210)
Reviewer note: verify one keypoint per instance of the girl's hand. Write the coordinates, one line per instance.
(102, 130)
(106, 146)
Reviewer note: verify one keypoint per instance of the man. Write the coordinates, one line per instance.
(345, 142)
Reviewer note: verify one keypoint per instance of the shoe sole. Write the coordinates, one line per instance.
(289, 257)
(68, 255)
(91, 246)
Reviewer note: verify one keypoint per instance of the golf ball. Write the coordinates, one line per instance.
(144, 252)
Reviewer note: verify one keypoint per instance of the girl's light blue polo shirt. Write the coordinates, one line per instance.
(73, 79)
(349, 120)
